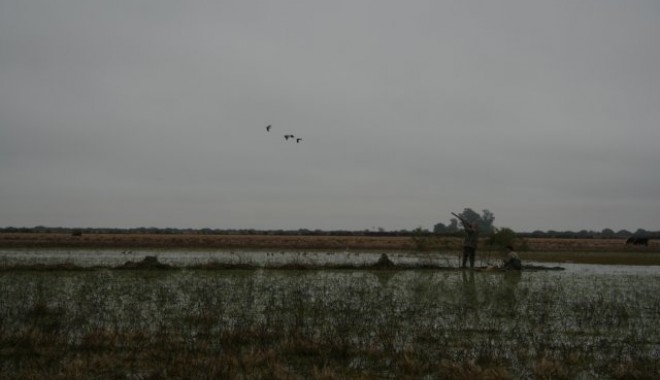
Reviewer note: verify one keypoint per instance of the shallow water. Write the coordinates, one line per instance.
(115, 257)
(597, 312)
(110, 257)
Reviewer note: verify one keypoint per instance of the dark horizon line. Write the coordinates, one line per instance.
(307, 231)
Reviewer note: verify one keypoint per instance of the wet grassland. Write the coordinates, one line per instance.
(329, 324)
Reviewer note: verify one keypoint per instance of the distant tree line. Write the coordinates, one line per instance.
(486, 219)
(209, 231)
(453, 228)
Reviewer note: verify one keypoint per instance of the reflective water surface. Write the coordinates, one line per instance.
(181, 258)
(598, 319)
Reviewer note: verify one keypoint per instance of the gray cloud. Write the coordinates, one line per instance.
(153, 113)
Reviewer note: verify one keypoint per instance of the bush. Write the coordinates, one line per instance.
(503, 237)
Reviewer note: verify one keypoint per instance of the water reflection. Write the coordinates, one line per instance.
(507, 295)
(469, 287)
(448, 314)
(384, 276)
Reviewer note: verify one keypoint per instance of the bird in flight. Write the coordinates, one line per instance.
(286, 137)
(268, 128)
(298, 140)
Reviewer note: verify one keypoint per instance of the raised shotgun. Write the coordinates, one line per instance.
(461, 219)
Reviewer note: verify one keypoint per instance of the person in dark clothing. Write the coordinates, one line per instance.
(470, 242)
(512, 260)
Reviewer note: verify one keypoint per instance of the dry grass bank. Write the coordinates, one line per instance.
(58, 240)
(55, 240)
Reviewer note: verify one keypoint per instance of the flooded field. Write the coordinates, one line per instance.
(184, 258)
(588, 321)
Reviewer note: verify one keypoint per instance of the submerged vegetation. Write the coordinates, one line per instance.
(266, 324)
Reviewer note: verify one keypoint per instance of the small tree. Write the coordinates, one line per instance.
(485, 221)
(439, 228)
(607, 232)
(453, 225)
(503, 237)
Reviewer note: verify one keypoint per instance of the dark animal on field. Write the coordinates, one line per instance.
(268, 128)
(634, 240)
(76, 233)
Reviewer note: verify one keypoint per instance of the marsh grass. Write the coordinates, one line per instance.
(284, 324)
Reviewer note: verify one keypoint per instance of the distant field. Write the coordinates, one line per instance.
(53, 240)
(605, 251)
(47, 240)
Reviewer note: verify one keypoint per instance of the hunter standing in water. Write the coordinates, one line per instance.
(471, 240)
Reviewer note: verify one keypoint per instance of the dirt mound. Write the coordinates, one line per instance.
(149, 262)
(384, 262)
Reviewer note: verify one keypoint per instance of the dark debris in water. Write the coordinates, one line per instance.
(152, 263)
(45, 267)
(540, 268)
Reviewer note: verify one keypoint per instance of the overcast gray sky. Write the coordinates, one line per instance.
(132, 113)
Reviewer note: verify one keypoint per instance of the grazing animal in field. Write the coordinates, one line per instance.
(636, 240)
(268, 128)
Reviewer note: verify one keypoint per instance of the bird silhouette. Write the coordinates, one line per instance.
(286, 137)
(298, 140)
(268, 128)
